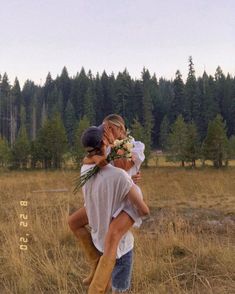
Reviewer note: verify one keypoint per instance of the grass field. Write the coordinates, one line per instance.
(187, 246)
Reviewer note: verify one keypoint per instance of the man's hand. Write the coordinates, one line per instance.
(137, 178)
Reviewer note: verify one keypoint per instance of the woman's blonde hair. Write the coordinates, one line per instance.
(116, 120)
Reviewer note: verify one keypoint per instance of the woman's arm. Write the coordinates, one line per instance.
(99, 160)
(136, 199)
(123, 163)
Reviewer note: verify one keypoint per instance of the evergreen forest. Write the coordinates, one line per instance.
(188, 120)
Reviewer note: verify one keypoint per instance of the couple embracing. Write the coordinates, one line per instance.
(113, 204)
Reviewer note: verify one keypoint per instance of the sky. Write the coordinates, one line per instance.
(41, 36)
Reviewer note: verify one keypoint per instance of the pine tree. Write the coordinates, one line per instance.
(99, 100)
(70, 122)
(29, 95)
(17, 102)
(22, 116)
(228, 104)
(52, 142)
(78, 92)
(192, 147)
(178, 140)
(36, 152)
(57, 107)
(5, 107)
(49, 85)
(58, 140)
(40, 149)
(163, 104)
(138, 98)
(220, 85)
(78, 151)
(178, 103)
(44, 115)
(21, 149)
(216, 145)
(164, 133)
(209, 104)
(5, 152)
(147, 114)
(232, 114)
(48, 97)
(107, 94)
(192, 104)
(123, 95)
(154, 93)
(64, 84)
(137, 130)
(89, 105)
(34, 120)
(232, 147)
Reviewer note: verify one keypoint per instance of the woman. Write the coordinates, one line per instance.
(114, 129)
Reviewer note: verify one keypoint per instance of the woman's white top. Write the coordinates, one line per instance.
(138, 158)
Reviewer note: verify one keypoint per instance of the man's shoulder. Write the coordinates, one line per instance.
(108, 171)
(109, 168)
(115, 174)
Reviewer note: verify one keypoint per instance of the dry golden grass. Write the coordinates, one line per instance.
(187, 246)
(160, 160)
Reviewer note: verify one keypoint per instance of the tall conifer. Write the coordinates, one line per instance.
(178, 140)
(147, 114)
(216, 145)
(164, 133)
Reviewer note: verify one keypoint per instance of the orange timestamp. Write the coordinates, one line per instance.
(24, 224)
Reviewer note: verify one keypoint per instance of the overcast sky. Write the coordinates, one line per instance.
(38, 36)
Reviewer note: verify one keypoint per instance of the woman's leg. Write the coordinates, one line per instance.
(118, 227)
(77, 222)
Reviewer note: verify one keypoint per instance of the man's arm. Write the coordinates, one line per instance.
(138, 202)
(137, 177)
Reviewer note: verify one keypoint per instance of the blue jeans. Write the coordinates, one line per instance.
(121, 275)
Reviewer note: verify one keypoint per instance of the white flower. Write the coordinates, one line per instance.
(117, 143)
(129, 146)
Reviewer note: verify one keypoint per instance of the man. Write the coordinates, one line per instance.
(104, 194)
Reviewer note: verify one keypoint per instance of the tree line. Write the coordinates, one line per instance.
(47, 120)
(182, 142)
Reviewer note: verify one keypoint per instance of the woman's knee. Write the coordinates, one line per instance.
(78, 219)
(72, 223)
(75, 222)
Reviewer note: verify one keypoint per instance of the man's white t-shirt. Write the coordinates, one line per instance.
(104, 193)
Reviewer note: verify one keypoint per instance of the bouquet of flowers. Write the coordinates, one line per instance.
(120, 149)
